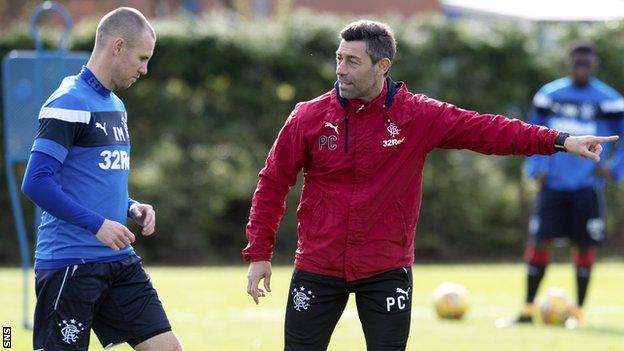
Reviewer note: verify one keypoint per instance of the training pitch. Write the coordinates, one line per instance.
(209, 310)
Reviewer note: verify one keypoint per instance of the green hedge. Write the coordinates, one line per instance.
(218, 90)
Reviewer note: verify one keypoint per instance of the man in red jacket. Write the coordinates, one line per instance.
(362, 147)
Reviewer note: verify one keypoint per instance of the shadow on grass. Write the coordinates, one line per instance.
(601, 330)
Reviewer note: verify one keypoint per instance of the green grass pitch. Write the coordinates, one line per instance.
(210, 310)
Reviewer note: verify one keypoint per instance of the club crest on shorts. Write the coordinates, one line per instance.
(595, 228)
(301, 298)
(71, 330)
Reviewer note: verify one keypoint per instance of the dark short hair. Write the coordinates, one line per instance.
(582, 47)
(378, 36)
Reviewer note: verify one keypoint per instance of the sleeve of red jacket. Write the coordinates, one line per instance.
(456, 128)
(279, 174)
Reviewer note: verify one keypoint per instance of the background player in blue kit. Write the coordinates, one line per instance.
(571, 200)
(87, 274)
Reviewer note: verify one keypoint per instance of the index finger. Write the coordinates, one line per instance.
(267, 282)
(252, 289)
(113, 245)
(606, 139)
(149, 224)
(129, 234)
(147, 231)
(136, 211)
(150, 218)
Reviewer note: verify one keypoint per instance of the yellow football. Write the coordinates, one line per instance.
(555, 307)
(450, 300)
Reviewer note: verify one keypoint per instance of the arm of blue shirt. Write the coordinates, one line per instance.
(40, 187)
(617, 162)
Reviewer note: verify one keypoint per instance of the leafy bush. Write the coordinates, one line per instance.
(219, 89)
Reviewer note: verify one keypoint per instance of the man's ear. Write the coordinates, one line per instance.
(118, 45)
(384, 65)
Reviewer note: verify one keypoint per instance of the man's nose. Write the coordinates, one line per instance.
(340, 69)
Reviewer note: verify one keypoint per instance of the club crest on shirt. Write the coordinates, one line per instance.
(394, 131)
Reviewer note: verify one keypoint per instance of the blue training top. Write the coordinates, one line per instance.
(594, 108)
(83, 127)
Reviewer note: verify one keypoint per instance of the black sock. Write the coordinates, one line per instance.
(582, 281)
(534, 278)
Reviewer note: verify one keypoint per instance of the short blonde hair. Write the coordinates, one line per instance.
(124, 22)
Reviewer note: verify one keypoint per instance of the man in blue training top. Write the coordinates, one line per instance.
(571, 200)
(87, 274)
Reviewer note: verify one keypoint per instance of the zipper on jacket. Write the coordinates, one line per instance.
(346, 142)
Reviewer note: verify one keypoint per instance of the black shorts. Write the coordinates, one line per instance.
(578, 215)
(114, 299)
(316, 302)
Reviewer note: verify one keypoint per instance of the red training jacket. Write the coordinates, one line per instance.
(362, 167)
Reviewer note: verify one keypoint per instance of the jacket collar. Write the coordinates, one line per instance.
(393, 88)
(88, 77)
(340, 104)
(354, 106)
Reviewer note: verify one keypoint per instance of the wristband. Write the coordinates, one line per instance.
(560, 141)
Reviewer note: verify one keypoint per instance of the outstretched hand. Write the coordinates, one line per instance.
(587, 146)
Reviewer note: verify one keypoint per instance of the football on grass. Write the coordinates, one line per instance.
(555, 307)
(450, 300)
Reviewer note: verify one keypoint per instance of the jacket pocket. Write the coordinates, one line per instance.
(402, 222)
(310, 216)
(402, 227)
